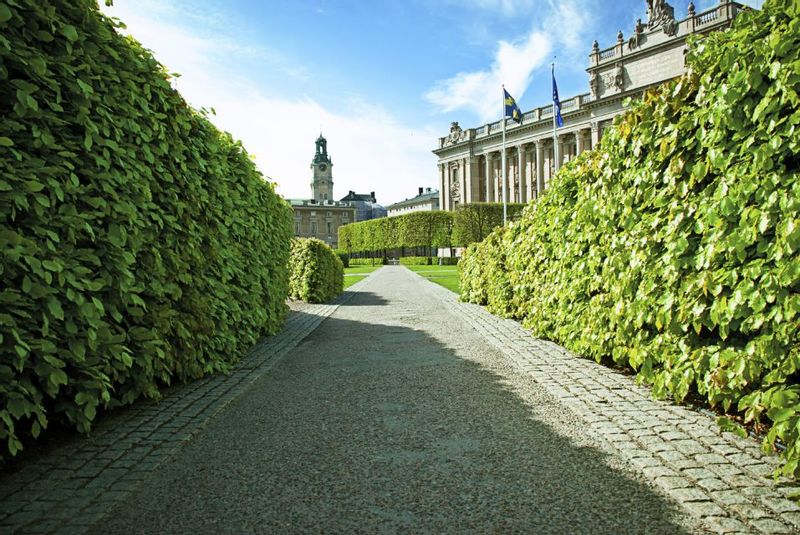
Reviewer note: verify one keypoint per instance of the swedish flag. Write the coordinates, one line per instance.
(512, 110)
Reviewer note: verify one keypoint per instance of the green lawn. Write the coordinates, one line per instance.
(354, 274)
(446, 276)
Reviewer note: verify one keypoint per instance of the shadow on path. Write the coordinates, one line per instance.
(367, 428)
(365, 299)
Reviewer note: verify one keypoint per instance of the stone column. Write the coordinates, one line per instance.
(539, 167)
(521, 173)
(511, 191)
(580, 142)
(487, 173)
(448, 200)
(558, 156)
(530, 172)
(462, 177)
(442, 186)
(469, 180)
(497, 177)
(595, 135)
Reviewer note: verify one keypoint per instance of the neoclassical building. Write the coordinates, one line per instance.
(470, 159)
(320, 217)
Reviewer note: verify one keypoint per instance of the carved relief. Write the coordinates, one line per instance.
(455, 191)
(670, 27)
(614, 79)
(594, 85)
(661, 14)
(638, 33)
(619, 77)
(456, 134)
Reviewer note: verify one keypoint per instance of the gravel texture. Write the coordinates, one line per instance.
(396, 415)
(396, 408)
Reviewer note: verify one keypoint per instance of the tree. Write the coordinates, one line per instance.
(473, 222)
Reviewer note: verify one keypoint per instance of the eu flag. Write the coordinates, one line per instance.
(556, 102)
(512, 110)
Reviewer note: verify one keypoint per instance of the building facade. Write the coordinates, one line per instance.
(469, 166)
(320, 216)
(366, 205)
(427, 200)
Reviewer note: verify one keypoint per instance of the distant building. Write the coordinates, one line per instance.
(320, 217)
(367, 206)
(427, 200)
(470, 160)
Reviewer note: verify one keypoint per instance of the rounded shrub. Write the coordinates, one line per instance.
(316, 274)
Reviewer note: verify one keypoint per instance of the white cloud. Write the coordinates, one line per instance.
(371, 149)
(479, 91)
(514, 62)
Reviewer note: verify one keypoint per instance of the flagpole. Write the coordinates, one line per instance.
(503, 155)
(555, 136)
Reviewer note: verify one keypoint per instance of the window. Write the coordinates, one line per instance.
(313, 227)
(330, 228)
(313, 213)
(297, 228)
(329, 214)
(325, 196)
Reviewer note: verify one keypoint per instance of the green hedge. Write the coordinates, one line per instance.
(473, 222)
(468, 224)
(367, 261)
(316, 274)
(429, 260)
(674, 247)
(416, 260)
(343, 256)
(139, 245)
(417, 229)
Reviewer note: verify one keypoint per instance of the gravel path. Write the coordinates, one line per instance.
(394, 415)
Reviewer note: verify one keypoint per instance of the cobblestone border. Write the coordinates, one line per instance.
(720, 478)
(70, 489)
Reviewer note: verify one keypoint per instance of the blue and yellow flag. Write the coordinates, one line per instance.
(512, 110)
(556, 102)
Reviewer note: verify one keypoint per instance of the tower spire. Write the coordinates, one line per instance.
(321, 164)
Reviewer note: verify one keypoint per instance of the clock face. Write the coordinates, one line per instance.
(322, 167)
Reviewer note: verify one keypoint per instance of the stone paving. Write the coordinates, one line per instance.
(70, 488)
(719, 478)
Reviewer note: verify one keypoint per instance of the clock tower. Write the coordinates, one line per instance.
(322, 183)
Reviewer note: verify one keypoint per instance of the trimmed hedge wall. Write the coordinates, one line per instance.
(416, 260)
(468, 224)
(366, 261)
(316, 274)
(429, 260)
(139, 245)
(417, 229)
(473, 222)
(674, 247)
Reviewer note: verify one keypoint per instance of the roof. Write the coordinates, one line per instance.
(311, 203)
(419, 199)
(353, 196)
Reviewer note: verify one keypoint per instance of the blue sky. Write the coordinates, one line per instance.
(382, 80)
